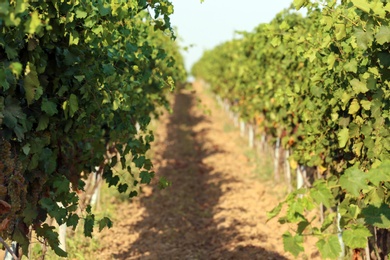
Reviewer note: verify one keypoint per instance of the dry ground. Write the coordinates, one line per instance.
(216, 206)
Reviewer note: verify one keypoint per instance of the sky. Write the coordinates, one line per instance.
(205, 25)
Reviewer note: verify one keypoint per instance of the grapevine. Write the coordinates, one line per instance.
(76, 77)
(320, 83)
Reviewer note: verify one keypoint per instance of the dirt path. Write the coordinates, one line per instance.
(215, 209)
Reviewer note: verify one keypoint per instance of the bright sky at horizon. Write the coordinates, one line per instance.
(205, 25)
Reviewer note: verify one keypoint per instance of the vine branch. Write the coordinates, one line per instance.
(8, 248)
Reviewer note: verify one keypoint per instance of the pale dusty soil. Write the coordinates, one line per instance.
(216, 207)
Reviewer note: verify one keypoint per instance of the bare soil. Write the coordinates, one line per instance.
(216, 207)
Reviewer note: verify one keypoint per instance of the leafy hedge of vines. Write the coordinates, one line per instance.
(76, 76)
(321, 83)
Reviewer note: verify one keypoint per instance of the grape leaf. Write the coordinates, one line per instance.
(293, 244)
(80, 13)
(299, 3)
(49, 107)
(145, 177)
(274, 212)
(383, 36)
(343, 137)
(356, 236)
(329, 247)
(43, 123)
(364, 39)
(380, 174)
(354, 107)
(34, 24)
(362, 5)
(104, 222)
(358, 86)
(353, 181)
(31, 82)
(88, 225)
(73, 105)
(73, 220)
(321, 193)
(377, 216)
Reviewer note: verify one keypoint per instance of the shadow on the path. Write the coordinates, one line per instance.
(179, 221)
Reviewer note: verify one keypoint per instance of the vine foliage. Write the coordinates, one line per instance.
(77, 77)
(321, 84)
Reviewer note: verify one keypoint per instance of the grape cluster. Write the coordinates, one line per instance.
(13, 186)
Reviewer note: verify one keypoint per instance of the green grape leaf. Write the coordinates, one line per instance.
(376, 107)
(299, 3)
(365, 104)
(362, 5)
(29, 213)
(321, 193)
(49, 107)
(375, 196)
(12, 112)
(276, 41)
(81, 13)
(364, 39)
(43, 122)
(122, 188)
(20, 237)
(343, 137)
(377, 216)
(73, 104)
(351, 66)
(104, 222)
(52, 238)
(11, 52)
(89, 221)
(383, 36)
(16, 68)
(358, 86)
(139, 162)
(145, 176)
(353, 181)
(31, 82)
(340, 31)
(293, 244)
(74, 38)
(163, 183)
(354, 107)
(4, 8)
(133, 194)
(73, 221)
(49, 160)
(380, 174)
(26, 148)
(356, 236)
(329, 247)
(274, 212)
(3, 80)
(34, 24)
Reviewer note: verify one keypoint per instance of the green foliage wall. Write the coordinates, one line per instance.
(321, 84)
(76, 76)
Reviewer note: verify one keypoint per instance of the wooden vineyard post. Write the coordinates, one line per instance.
(301, 176)
(242, 128)
(367, 251)
(276, 160)
(340, 234)
(251, 136)
(288, 171)
(235, 120)
(263, 142)
(62, 233)
(219, 100)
